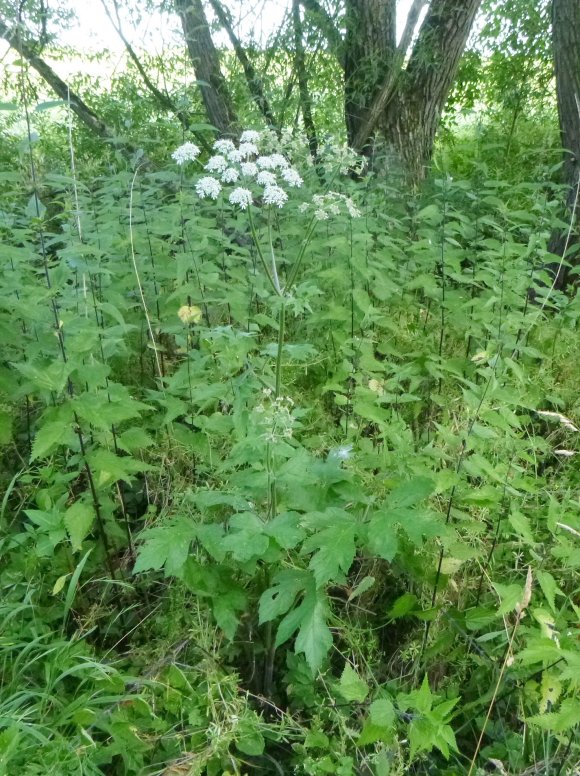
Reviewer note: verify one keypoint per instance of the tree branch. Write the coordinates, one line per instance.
(162, 98)
(326, 25)
(252, 78)
(205, 60)
(410, 25)
(89, 118)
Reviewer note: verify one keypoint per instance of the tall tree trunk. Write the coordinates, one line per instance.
(566, 45)
(205, 60)
(370, 46)
(411, 118)
(300, 68)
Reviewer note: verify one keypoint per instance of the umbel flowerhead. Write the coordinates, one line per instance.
(254, 176)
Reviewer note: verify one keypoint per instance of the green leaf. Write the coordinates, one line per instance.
(276, 600)
(423, 696)
(5, 426)
(521, 525)
(166, 546)
(111, 467)
(403, 605)
(225, 607)
(314, 637)
(49, 436)
(410, 493)
(78, 521)
(351, 686)
(509, 596)
(250, 741)
(365, 584)
(382, 536)
(285, 528)
(372, 733)
(51, 377)
(42, 106)
(210, 537)
(559, 721)
(549, 588)
(333, 546)
(246, 539)
(382, 712)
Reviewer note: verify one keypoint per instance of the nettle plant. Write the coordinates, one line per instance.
(267, 471)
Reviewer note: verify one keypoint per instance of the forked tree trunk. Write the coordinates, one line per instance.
(369, 51)
(566, 45)
(412, 116)
(205, 61)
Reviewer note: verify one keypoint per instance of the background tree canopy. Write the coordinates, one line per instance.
(289, 387)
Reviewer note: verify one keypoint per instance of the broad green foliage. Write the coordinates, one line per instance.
(274, 477)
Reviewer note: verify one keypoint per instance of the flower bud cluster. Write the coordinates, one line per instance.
(331, 204)
(275, 416)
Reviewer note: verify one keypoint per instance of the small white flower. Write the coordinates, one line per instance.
(274, 195)
(216, 164)
(333, 209)
(208, 187)
(249, 168)
(249, 136)
(241, 197)
(303, 207)
(224, 146)
(188, 152)
(265, 178)
(341, 453)
(230, 175)
(292, 177)
(353, 211)
(279, 161)
(248, 149)
(565, 453)
(265, 163)
(320, 214)
(235, 156)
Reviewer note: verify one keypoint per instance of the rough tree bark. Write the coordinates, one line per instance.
(300, 68)
(205, 60)
(369, 49)
(566, 45)
(412, 117)
(402, 104)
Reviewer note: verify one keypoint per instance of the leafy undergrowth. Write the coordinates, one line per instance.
(290, 473)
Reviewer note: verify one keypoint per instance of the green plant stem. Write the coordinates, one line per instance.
(279, 351)
(298, 262)
(495, 691)
(260, 253)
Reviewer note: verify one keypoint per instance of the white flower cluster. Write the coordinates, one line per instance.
(275, 416)
(343, 157)
(330, 204)
(188, 152)
(243, 165)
